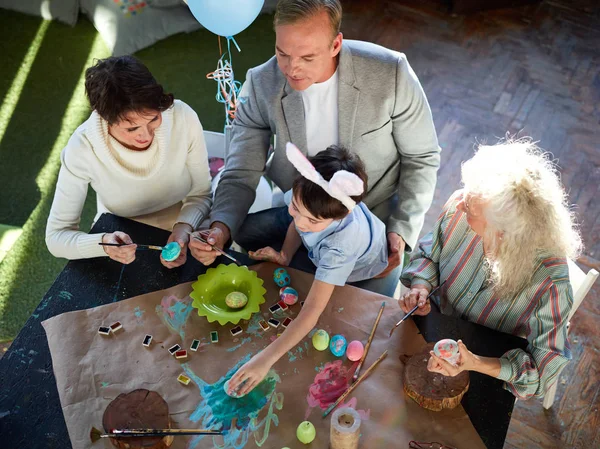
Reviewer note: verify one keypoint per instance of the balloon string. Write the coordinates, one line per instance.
(227, 87)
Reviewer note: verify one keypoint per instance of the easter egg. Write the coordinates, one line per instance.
(234, 393)
(320, 340)
(355, 350)
(338, 345)
(281, 277)
(236, 300)
(171, 251)
(448, 350)
(306, 432)
(288, 295)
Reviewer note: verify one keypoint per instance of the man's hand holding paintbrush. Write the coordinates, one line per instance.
(216, 236)
(207, 245)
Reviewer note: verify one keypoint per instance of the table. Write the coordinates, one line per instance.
(30, 411)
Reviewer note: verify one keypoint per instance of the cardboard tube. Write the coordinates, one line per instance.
(345, 429)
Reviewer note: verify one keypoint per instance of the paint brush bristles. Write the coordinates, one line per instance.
(355, 384)
(96, 434)
(364, 356)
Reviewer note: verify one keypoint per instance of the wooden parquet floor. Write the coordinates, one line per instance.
(527, 71)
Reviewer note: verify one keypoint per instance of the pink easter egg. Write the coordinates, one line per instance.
(355, 350)
(288, 295)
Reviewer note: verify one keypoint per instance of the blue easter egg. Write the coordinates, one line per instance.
(171, 251)
(281, 277)
(337, 345)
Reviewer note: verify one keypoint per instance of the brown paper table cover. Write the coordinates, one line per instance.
(91, 370)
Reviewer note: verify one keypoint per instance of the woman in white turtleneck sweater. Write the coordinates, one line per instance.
(142, 152)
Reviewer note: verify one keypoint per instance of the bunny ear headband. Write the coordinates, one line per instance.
(342, 185)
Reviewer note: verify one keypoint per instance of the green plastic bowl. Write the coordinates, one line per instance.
(211, 288)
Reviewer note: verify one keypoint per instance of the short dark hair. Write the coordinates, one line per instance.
(119, 85)
(316, 200)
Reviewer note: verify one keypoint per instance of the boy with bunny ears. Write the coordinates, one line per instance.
(345, 241)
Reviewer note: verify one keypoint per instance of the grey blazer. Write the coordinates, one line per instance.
(384, 117)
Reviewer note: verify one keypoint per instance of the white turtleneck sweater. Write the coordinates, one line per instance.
(128, 183)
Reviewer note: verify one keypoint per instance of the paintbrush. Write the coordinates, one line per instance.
(96, 434)
(364, 356)
(355, 384)
(410, 312)
(214, 248)
(156, 247)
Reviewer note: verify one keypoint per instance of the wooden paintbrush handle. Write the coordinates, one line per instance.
(369, 341)
(355, 384)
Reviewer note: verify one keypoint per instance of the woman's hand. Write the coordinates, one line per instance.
(466, 362)
(416, 295)
(249, 376)
(270, 255)
(181, 235)
(124, 254)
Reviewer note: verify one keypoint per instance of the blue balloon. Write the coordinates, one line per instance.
(225, 17)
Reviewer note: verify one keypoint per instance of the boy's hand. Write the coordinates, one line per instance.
(270, 255)
(249, 376)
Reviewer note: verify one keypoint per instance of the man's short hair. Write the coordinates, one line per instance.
(293, 11)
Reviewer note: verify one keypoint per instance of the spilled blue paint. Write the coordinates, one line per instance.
(244, 341)
(217, 410)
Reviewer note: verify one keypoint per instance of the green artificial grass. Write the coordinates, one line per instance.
(43, 102)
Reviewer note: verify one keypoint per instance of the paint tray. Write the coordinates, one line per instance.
(211, 288)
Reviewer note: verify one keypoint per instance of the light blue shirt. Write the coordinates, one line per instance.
(348, 250)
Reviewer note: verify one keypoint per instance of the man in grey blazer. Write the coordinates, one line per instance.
(377, 109)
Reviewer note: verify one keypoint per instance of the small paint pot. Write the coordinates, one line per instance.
(281, 277)
(288, 295)
(171, 251)
(337, 345)
(447, 349)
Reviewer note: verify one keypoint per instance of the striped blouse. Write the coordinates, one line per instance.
(453, 252)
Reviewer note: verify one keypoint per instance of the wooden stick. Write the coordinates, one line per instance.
(355, 384)
(364, 356)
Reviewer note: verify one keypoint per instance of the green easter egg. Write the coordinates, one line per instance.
(306, 432)
(320, 340)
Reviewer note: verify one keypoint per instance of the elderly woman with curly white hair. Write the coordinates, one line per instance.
(501, 246)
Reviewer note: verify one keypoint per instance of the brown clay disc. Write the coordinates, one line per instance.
(433, 391)
(139, 409)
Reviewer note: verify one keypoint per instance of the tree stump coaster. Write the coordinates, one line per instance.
(431, 390)
(140, 409)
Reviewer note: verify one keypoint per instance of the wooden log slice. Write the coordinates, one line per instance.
(139, 409)
(432, 391)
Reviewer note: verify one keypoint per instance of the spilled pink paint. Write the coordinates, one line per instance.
(329, 384)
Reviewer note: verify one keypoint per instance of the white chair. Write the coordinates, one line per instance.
(581, 284)
(217, 145)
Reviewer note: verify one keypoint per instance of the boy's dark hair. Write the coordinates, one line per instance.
(118, 85)
(316, 200)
